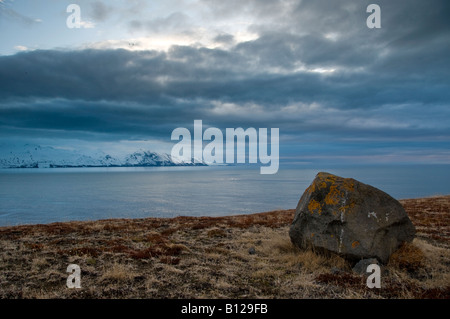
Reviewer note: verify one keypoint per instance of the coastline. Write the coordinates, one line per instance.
(241, 256)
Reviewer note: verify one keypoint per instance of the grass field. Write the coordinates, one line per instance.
(246, 256)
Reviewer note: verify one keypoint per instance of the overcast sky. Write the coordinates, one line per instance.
(338, 91)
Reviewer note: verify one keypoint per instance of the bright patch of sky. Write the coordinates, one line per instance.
(133, 25)
(135, 70)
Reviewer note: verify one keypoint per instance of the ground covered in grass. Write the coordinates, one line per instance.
(247, 256)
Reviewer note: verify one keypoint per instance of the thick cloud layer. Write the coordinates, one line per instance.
(315, 71)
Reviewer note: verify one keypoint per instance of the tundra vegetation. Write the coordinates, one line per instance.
(246, 256)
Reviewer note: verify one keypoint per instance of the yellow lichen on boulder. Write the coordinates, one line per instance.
(340, 212)
(334, 195)
(314, 206)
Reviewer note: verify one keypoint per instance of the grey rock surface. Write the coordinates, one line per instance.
(350, 218)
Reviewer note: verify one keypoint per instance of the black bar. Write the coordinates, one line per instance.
(223, 308)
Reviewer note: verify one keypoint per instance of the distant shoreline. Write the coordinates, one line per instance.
(405, 201)
(104, 166)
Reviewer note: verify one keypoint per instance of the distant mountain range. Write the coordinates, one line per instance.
(36, 156)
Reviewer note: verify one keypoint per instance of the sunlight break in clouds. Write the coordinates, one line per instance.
(138, 69)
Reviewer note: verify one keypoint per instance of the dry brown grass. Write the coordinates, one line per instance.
(118, 273)
(431, 217)
(247, 256)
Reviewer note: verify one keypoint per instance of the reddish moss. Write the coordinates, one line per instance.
(156, 239)
(341, 279)
(89, 251)
(35, 247)
(170, 260)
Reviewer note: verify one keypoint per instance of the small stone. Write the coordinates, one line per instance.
(252, 251)
(361, 266)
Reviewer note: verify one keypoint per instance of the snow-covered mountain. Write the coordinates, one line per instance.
(36, 156)
(147, 158)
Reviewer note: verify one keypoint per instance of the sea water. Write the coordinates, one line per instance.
(32, 196)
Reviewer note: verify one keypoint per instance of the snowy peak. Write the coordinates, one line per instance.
(147, 158)
(36, 156)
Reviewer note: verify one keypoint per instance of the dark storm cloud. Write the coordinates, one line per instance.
(176, 21)
(416, 25)
(390, 83)
(74, 117)
(224, 38)
(100, 11)
(191, 73)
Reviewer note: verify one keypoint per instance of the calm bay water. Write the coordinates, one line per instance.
(31, 196)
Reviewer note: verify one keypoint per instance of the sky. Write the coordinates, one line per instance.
(135, 70)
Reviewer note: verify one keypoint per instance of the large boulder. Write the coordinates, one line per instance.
(352, 219)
